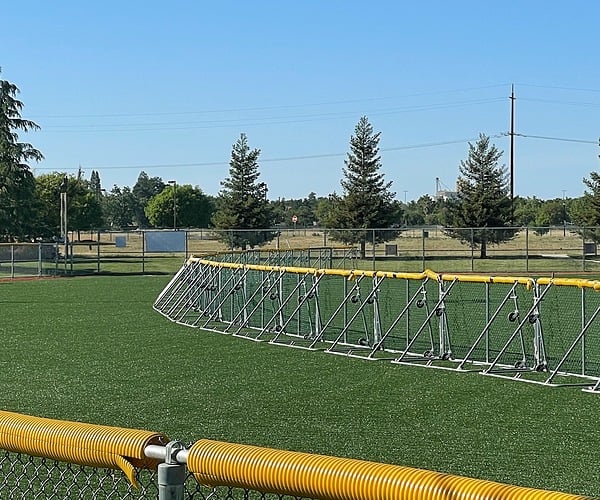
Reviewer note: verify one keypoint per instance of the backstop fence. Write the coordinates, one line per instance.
(544, 330)
(53, 459)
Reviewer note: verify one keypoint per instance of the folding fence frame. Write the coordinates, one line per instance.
(543, 331)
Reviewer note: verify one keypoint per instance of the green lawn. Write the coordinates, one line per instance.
(92, 349)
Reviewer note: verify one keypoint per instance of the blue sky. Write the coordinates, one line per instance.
(168, 87)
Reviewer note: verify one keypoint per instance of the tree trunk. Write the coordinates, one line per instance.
(483, 253)
(363, 251)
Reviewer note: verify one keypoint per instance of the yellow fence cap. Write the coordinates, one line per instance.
(79, 443)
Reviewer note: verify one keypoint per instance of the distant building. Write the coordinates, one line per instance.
(442, 192)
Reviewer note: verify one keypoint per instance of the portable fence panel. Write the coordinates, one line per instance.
(466, 310)
(562, 317)
(509, 339)
(532, 330)
(573, 330)
(589, 344)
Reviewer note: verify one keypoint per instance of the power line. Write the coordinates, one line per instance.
(554, 101)
(270, 160)
(270, 120)
(267, 108)
(562, 139)
(556, 87)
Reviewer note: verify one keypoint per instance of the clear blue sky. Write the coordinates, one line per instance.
(167, 88)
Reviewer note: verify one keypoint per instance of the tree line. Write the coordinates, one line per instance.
(30, 209)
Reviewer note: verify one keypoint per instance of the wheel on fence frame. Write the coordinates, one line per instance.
(310, 295)
(428, 354)
(300, 299)
(273, 295)
(541, 367)
(354, 299)
(420, 303)
(447, 356)
(363, 341)
(278, 328)
(513, 316)
(520, 364)
(533, 318)
(439, 311)
(370, 300)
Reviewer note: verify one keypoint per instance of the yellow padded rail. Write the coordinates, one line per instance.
(354, 273)
(329, 478)
(78, 443)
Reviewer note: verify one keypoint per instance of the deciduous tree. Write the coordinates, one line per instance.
(193, 209)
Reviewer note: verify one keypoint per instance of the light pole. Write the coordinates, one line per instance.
(564, 210)
(174, 184)
(64, 231)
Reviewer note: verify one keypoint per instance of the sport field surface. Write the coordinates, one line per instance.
(92, 349)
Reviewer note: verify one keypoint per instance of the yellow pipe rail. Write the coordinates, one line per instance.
(528, 282)
(330, 478)
(353, 273)
(79, 443)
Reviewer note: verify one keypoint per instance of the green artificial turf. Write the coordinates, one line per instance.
(92, 349)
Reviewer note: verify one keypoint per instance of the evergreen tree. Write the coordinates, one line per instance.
(95, 184)
(242, 204)
(482, 201)
(367, 202)
(586, 212)
(17, 184)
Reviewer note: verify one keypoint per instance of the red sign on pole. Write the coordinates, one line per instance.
(294, 219)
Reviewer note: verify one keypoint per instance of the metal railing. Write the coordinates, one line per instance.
(53, 459)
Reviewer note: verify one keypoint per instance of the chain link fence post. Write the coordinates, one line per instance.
(171, 474)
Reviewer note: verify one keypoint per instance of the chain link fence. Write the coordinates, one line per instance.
(25, 477)
(225, 471)
(565, 249)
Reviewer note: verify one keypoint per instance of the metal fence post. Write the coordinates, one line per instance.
(171, 474)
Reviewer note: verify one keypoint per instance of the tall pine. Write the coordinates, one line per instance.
(480, 214)
(242, 209)
(366, 201)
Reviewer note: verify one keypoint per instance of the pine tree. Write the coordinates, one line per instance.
(366, 201)
(242, 204)
(95, 184)
(586, 211)
(482, 199)
(17, 184)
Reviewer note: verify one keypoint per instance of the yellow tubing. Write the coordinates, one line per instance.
(329, 478)
(78, 443)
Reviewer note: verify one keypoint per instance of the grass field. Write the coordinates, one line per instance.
(92, 349)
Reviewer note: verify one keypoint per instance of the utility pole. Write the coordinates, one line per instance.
(512, 153)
